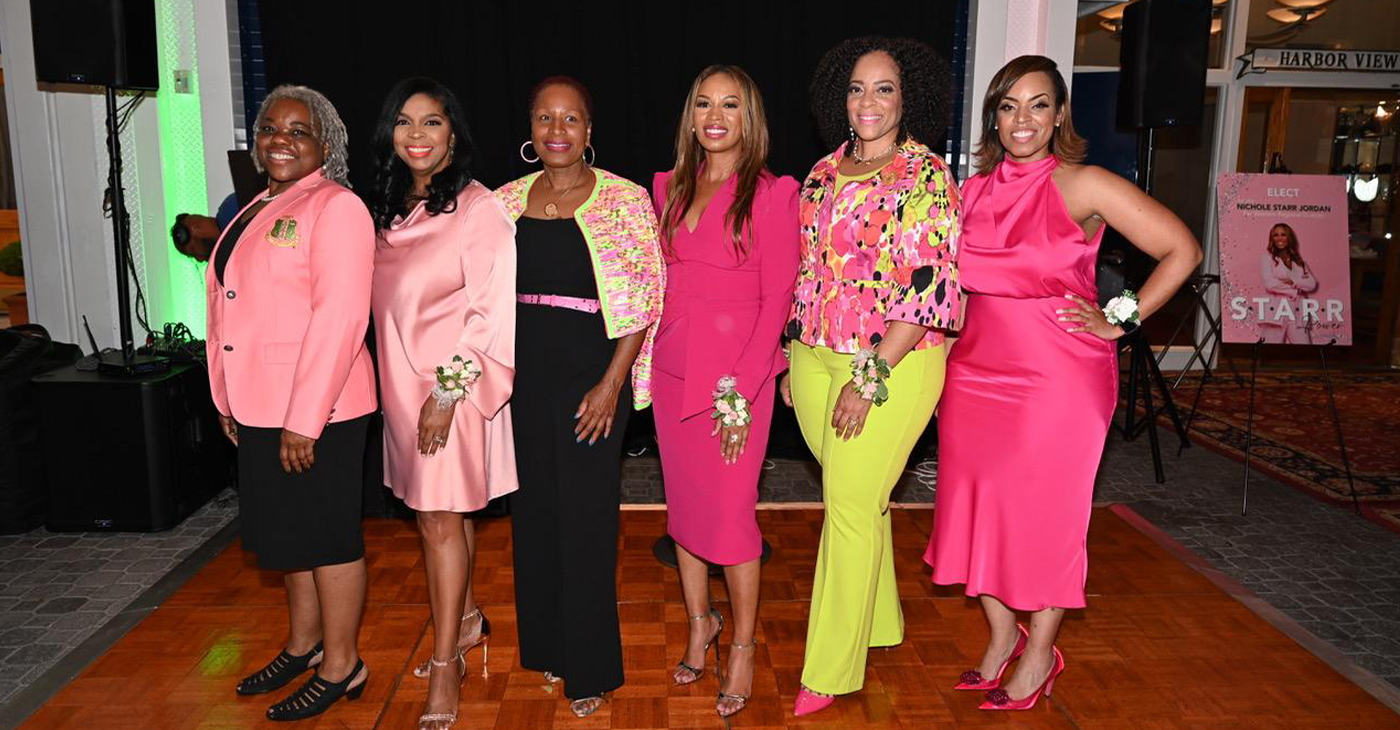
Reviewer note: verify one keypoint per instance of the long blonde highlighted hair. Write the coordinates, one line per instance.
(753, 151)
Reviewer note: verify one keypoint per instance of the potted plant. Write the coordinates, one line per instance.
(12, 265)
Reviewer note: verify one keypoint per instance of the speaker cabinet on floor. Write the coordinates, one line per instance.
(130, 454)
(100, 42)
(1166, 47)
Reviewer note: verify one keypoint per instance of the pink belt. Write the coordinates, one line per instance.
(578, 304)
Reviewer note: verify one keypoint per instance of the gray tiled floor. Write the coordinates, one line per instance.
(57, 589)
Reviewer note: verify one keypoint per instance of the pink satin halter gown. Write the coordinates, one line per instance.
(1027, 405)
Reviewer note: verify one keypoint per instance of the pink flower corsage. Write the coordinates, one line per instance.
(731, 408)
(868, 373)
(454, 381)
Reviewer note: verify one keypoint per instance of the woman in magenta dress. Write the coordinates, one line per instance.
(1032, 382)
(729, 232)
(444, 316)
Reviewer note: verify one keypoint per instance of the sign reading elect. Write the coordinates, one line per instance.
(1290, 59)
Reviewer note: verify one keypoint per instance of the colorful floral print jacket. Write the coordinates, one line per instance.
(880, 249)
(619, 225)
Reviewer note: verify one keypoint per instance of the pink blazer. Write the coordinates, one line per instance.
(722, 315)
(286, 328)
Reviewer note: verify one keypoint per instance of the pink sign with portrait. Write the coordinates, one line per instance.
(1285, 270)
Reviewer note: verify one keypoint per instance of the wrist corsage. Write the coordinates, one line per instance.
(454, 380)
(868, 373)
(731, 408)
(1122, 310)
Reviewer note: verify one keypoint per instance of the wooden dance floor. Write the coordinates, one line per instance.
(1160, 648)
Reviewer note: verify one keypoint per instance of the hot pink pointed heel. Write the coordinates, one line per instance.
(809, 702)
(997, 699)
(973, 679)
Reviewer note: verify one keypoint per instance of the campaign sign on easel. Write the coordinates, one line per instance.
(1285, 270)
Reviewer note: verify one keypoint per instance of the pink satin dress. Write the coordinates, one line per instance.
(1026, 405)
(723, 315)
(444, 285)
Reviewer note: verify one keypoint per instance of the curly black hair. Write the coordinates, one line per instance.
(392, 180)
(924, 79)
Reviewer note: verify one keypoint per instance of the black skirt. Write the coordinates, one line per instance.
(302, 521)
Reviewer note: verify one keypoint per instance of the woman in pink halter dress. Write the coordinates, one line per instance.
(1032, 382)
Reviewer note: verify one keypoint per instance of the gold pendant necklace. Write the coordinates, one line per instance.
(551, 210)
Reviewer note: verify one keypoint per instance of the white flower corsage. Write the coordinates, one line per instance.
(868, 374)
(731, 408)
(1122, 309)
(454, 380)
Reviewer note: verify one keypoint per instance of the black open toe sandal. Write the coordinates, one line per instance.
(317, 696)
(279, 672)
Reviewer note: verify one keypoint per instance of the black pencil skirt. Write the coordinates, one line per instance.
(295, 522)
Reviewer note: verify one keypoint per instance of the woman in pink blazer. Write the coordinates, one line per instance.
(288, 304)
(730, 237)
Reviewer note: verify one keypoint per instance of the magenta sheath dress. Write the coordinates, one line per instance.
(444, 285)
(722, 316)
(1027, 405)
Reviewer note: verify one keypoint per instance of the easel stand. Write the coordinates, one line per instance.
(1200, 287)
(1336, 422)
(1143, 374)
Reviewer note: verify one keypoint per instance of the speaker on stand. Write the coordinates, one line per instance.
(1162, 83)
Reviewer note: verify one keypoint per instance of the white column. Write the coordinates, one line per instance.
(1001, 30)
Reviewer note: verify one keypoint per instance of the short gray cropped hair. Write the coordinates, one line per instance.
(325, 123)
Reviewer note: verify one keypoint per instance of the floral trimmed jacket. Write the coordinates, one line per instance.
(619, 225)
(880, 249)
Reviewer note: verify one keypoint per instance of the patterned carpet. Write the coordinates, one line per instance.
(1295, 438)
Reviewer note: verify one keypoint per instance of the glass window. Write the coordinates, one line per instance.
(1364, 25)
(1096, 40)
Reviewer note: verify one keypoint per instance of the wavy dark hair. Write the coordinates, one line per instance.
(925, 83)
(393, 183)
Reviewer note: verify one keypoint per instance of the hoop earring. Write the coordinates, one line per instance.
(586, 150)
(522, 153)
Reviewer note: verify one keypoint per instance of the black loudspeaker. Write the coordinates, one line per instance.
(130, 454)
(1165, 49)
(101, 42)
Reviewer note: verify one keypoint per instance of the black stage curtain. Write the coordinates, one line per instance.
(638, 59)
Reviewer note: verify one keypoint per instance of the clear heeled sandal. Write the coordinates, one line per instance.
(466, 642)
(443, 720)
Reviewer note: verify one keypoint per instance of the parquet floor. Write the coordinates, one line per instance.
(1160, 648)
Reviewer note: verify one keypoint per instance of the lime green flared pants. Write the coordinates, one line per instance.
(855, 601)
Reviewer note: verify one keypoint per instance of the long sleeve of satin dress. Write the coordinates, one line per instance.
(444, 286)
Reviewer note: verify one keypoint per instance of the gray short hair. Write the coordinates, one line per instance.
(325, 122)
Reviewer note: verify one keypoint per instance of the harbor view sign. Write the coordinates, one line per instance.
(1296, 59)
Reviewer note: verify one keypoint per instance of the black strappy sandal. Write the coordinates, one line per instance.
(279, 672)
(317, 696)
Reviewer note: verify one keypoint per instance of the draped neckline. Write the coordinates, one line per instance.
(1009, 189)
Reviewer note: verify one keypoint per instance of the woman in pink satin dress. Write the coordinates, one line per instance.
(444, 293)
(730, 237)
(1032, 381)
